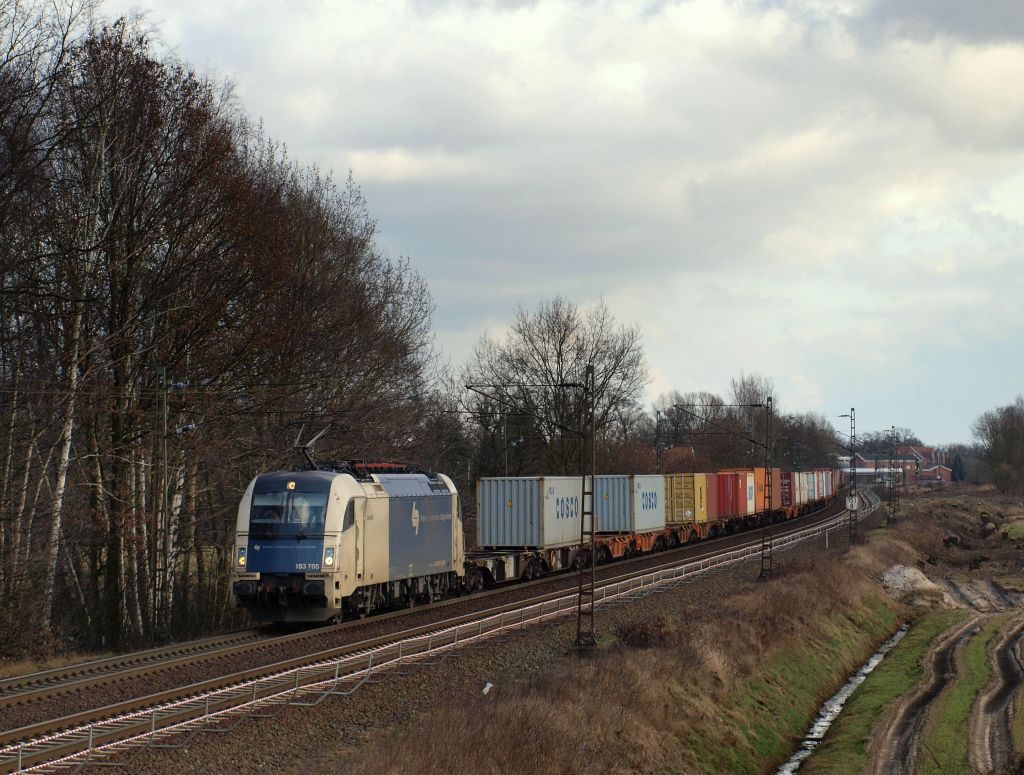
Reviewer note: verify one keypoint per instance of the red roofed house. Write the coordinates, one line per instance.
(925, 456)
(935, 473)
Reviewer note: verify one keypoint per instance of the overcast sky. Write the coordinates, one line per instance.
(829, 193)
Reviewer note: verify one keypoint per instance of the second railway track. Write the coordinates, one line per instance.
(318, 674)
(27, 687)
(214, 664)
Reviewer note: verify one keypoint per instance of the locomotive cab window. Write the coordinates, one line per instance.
(268, 507)
(307, 509)
(302, 509)
(350, 515)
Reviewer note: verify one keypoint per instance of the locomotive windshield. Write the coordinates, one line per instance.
(298, 509)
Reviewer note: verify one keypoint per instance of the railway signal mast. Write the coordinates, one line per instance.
(893, 503)
(767, 533)
(586, 639)
(898, 481)
(852, 500)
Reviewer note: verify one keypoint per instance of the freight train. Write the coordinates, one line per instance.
(322, 545)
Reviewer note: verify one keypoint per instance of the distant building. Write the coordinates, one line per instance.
(925, 456)
(936, 473)
(915, 464)
(879, 462)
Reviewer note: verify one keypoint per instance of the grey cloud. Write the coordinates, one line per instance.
(981, 21)
(881, 20)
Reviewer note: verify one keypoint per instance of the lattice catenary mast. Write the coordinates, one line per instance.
(586, 556)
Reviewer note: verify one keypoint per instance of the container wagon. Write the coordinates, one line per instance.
(527, 526)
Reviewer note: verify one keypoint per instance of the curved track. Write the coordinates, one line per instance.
(31, 698)
(208, 671)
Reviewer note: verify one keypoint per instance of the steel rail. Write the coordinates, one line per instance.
(47, 683)
(50, 683)
(210, 701)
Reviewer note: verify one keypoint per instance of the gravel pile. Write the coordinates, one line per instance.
(902, 582)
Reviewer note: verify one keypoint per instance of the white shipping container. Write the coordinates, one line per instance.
(563, 504)
(648, 503)
(751, 499)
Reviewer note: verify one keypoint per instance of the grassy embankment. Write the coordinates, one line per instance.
(1016, 530)
(843, 749)
(772, 708)
(691, 691)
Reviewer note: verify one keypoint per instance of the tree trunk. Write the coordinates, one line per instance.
(17, 528)
(5, 541)
(40, 481)
(62, 469)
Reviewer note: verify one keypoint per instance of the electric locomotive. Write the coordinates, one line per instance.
(321, 545)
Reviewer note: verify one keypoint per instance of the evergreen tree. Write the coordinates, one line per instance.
(958, 469)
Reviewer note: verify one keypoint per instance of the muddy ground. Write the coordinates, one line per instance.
(957, 549)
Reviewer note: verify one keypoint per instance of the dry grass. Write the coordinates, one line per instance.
(25, 666)
(664, 679)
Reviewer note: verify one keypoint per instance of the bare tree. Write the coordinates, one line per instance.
(148, 226)
(540, 368)
(1000, 432)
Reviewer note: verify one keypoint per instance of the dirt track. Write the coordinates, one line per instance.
(991, 738)
(897, 742)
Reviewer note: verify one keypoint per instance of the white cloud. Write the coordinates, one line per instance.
(830, 193)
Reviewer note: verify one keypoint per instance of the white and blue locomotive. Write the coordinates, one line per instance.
(315, 546)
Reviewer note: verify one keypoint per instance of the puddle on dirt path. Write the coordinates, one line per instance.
(834, 705)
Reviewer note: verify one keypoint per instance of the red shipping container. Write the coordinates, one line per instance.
(759, 487)
(732, 495)
(712, 492)
(726, 492)
(786, 486)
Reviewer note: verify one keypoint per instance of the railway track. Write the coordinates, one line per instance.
(226, 690)
(47, 683)
(70, 688)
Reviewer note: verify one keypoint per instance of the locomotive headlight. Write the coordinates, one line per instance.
(329, 557)
(240, 561)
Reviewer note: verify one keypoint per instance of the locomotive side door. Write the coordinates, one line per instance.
(358, 543)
